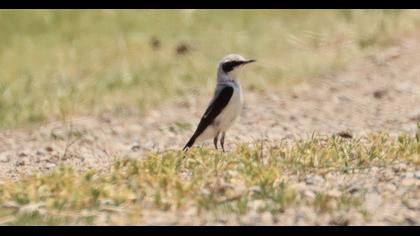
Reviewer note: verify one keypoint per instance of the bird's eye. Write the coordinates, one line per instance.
(230, 65)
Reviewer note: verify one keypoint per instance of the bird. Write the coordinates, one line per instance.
(226, 104)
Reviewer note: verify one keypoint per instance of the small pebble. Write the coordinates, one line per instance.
(412, 204)
(309, 194)
(345, 134)
(372, 201)
(30, 209)
(334, 193)
(417, 174)
(314, 180)
(4, 158)
(20, 163)
(255, 189)
(407, 175)
(390, 187)
(378, 94)
(409, 181)
(251, 218)
(135, 147)
(40, 153)
(22, 154)
(50, 165)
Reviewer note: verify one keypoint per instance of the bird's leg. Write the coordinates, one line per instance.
(222, 141)
(215, 140)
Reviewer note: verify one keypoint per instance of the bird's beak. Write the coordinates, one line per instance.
(248, 61)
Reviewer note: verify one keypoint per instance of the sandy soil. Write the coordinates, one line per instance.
(380, 93)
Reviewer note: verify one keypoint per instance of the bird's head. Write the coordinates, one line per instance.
(230, 65)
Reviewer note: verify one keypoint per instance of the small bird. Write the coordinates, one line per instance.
(225, 105)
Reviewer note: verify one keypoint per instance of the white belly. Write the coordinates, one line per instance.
(226, 118)
(230, 113)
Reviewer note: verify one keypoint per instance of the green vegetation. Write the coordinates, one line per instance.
(56, 63)
(206, 180)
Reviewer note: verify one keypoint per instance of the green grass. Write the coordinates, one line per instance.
(59, 63)
(36, 219)
(206, 180)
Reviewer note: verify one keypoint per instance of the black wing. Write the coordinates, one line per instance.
(214, 109)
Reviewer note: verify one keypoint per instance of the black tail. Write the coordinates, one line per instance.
(189, 144)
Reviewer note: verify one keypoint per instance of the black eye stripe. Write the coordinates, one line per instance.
(230, 65)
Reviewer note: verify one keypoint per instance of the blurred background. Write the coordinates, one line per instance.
(95, 106)
(56, 63)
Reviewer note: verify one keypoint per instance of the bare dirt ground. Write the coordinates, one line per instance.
(380, 93)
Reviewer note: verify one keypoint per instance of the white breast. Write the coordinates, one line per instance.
(231, 111)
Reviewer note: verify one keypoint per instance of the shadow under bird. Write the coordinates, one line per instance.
(226, 104)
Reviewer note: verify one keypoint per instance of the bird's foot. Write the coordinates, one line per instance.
(222, 141)
(215, 141)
